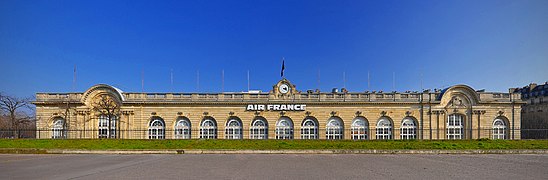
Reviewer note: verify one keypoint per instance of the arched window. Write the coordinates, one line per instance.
(384, 129)
(455, 126)
(208, 129)
(499, 129)
(182, 128)
(359, 130)
(156, 129)
(58, 129)
(104, 125)
(334, 128)
(408, 129)
(233, 129)
(259, 129)
(309, 129)
(284, 128)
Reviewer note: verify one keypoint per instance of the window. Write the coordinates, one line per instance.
(408, 129)
(499, 129)
(455, 127)
(182, 128)
(103, 126)
(156, 129)
(334, 128)
(309, 129)
(233, 129)
(208, 129)
(259, 129)
(359, 129)
(58, 129)
(284, 128)
(384, 129)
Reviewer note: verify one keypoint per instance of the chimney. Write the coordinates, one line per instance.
(532, 86)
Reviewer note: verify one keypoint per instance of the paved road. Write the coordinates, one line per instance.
(273, 166)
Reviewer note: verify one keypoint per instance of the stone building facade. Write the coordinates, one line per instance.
(103, 111)
(534, 114)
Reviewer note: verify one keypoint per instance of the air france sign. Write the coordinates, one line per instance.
(275, 107)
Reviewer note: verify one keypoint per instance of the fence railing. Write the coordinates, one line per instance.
(308, 133)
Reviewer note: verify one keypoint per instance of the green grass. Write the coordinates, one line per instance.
(106, 144)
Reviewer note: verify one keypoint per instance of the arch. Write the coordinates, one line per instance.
(334, 129)
(384, 128)
(455, 126)
(259, 128)
(359, 128)
(408, 128)
(458, 90)
(103, 126)
(102, 89)
(233, 128)
(156, 128)
(58, 130)
(500, 128)
(208, 128)
(309, 128)
(182, 128)
(284, 128)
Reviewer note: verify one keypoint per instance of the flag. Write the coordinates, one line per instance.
(283, 67)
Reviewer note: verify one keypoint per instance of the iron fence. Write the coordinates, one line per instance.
(371, 134)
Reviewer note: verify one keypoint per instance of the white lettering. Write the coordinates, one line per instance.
(249, 107)
(275, 107)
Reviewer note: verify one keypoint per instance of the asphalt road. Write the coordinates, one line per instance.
(273, 166)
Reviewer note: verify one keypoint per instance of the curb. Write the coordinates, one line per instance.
(226, 151)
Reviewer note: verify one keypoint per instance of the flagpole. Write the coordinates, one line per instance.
(318, 79)
(74, 80)
(393, 81)
(247, 80)
(143, 80)
(368, 82)
(344, 79)
(283, 67)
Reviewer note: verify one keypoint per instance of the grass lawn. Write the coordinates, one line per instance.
(106, 144)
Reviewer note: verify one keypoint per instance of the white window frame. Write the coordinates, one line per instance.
(455, 126)
(499, 129)
(334, 128)
(284, 128)
(233, 129)
(58, 129)
(309, 129)
(103, 131)
(408, 129)
(359, 129)
(259, 129)
(156, 129)
(384, 129)
(182, 128)
(208, 129)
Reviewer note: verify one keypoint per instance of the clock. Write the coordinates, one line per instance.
(284, 88)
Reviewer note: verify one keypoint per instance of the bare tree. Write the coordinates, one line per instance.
(13, 107)
(109, 107)
(68, 111)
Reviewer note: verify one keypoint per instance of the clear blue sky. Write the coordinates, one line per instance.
(485, 44)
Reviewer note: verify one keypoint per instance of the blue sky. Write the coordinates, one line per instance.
(489, 45)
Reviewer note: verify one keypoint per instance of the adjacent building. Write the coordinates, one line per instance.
(284, 112)
(534, 114)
